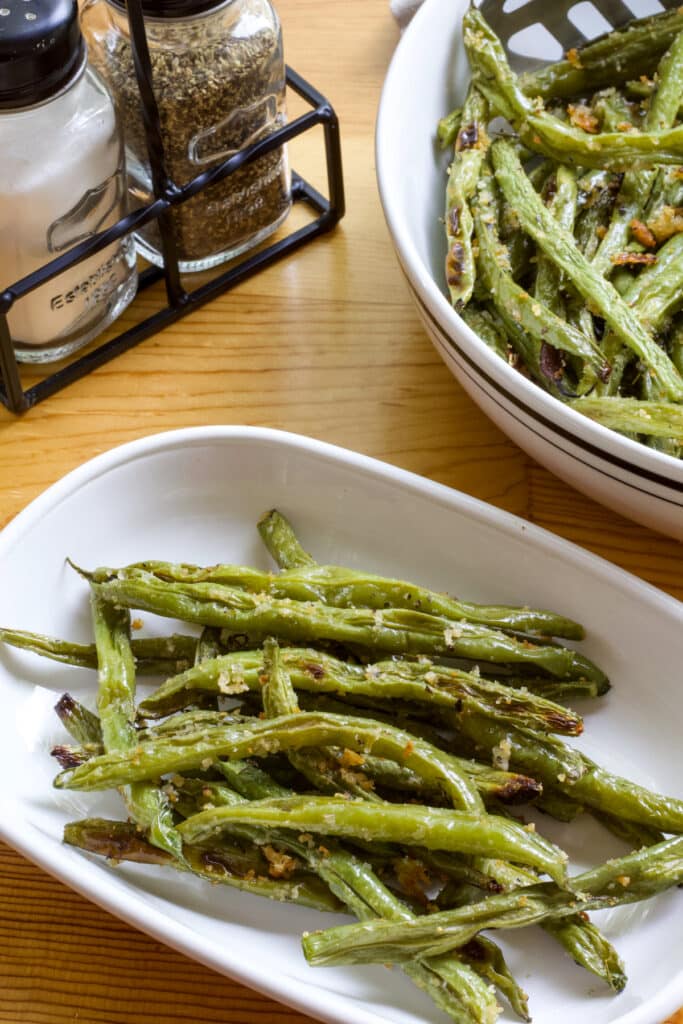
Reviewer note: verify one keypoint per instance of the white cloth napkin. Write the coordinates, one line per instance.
(403, 10)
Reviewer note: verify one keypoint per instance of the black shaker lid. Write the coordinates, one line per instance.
(41, 48)
(171, 8)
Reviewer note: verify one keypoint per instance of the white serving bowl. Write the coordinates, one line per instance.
(426, 79)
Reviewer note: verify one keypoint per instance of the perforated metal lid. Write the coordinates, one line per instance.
(41, 48)
(173, 8)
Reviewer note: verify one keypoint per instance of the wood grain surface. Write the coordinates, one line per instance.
(327, 345)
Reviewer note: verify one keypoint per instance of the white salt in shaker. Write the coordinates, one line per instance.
(62, 178)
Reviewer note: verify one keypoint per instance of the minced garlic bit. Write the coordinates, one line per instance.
(232, 681)
(350, 758)
(280, 865)
(451, 634)
(624, 880)
(643, 234)
(667, 222)
(501, 754)
(583, 117)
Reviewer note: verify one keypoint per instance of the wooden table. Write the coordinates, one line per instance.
(327, 344)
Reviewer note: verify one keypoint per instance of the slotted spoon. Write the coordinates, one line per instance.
(539, 31)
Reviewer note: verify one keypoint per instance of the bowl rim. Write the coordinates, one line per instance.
(549, 413)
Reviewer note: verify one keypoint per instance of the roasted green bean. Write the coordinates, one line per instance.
(629, 879)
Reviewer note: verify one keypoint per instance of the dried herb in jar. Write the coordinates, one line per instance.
(219, 84)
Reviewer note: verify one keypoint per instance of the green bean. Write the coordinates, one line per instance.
(579, 938)
(153, 656)
(282, 543)
(562, 205)
(448, 128)
(491, 783)
(540, 131)
(344, 588)
(452, 985)
(116, 692)
(589, 948)
(632, 416)
(317, 764)
(279, 698)
(655, 292)
(598, 197)
(636, 186)
(208, 645)
(640, 88)
(614, 111)
(652, 295)
(250, 781)
(470, 150)
(539, 322)
(434, 828)
(487, 330)
(627, 52)
(558, 805)
(396, 631)
(629, 879)
(486, 958)
(146, 803)
(190, 722)
(185, 722)
(666, 100)
(552, 689)
(422, 683)
(68, 756)
(538, 222)
(507, 787)
(595, 787)
(79, 722)
(664, 202)
(651, 393)
(635, 836)
(189, 751)
(220, 864)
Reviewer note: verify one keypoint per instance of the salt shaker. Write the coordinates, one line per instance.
(62, 178)
(219, 81)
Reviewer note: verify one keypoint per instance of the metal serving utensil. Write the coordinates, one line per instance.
(537, 32)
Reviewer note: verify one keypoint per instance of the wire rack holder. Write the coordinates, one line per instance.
(167, 195)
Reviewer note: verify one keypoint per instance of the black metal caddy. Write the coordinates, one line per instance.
(168, 194)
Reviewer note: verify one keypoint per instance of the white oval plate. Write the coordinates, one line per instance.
(196, 495)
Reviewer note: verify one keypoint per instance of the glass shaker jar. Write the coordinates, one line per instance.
(219, 81)
(62, 178)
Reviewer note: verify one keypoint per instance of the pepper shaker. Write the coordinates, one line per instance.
(219, 81)
(62, 178)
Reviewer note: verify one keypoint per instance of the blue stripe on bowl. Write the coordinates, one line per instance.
(552, 430)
